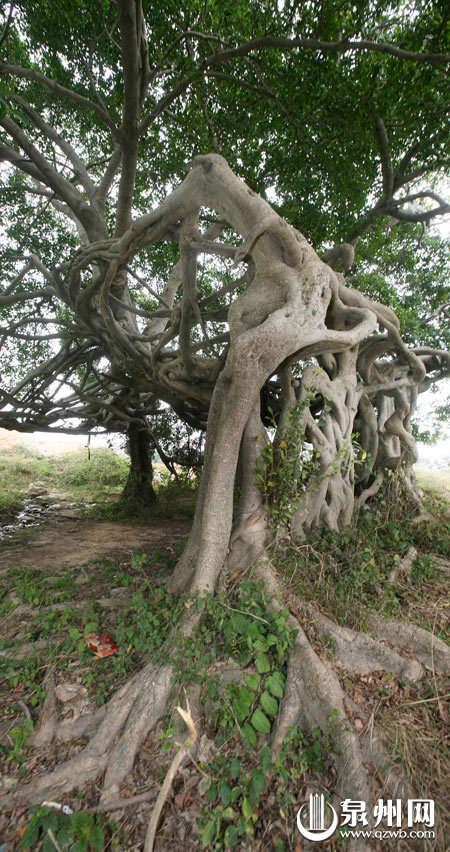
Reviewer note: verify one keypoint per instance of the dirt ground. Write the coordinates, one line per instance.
(75, 541)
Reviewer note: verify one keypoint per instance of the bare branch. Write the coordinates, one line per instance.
(50, 177)
(4, 34)
(25, 296)
(435, 313)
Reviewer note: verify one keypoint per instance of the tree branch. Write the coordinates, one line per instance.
(89, 218)
(62, 143)
(136, 74)
(386, 161)
(33, 74)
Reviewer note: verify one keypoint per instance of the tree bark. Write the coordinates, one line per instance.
(138, 494)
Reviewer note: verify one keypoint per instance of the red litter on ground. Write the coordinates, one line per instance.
(102, 645)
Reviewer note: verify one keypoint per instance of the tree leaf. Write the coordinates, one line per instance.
(269, 704)
(224, 792)
(263, 663)
(256, 786)
(97, 838)
(247, 807)
(30, 836)
(209, 832)
(260, 722)
(231, 836)
(241, 708)
(235, 768)
(249, 734)
(275, 684)
(253, 680)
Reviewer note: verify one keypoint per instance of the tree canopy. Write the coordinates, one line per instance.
(337, 112)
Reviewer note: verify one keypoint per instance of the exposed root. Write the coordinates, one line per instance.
(441, 564)
(428, 648)
(129, 715)
(45, 732)
(377, 754)
(402, 570)
(154, 688)
(93, 759)
(314, 696)
(359, 653)
(24, 650)
(69, 729)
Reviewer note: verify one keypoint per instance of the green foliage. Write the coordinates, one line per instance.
(286, 465)
(72, 473)
(139, 627)
(17, 469)
(18, 736)
(78, 832)
(234, 788)
(300, 149)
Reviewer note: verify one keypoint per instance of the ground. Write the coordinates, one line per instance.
(74, 574)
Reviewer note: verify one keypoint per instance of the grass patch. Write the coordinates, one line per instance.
(17, 470)
(433, 480)
(71, 475)
(104, 470)
(346, 573)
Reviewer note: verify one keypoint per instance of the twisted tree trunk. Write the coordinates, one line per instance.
(138, 495)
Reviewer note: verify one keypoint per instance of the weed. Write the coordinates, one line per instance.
(78, 832)
(18, 737)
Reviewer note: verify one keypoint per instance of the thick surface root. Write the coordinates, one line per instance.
(124, 712)
(359, 653)
(314, 696)
(428, 648)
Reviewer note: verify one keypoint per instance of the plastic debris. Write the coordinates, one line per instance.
(102, 645)
(58, 807)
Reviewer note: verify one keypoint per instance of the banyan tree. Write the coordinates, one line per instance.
(304, 384)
